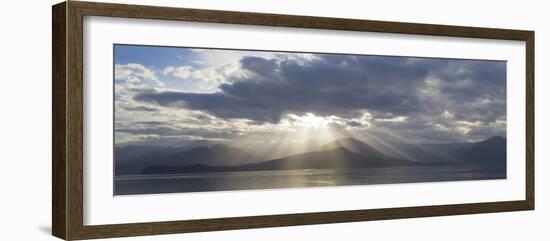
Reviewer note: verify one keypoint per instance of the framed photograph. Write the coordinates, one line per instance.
(171, 120)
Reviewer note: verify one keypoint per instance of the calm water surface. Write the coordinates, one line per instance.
(225, 181)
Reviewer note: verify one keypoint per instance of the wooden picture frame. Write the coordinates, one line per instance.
(67, 150)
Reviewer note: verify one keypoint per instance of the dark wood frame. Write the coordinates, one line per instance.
(67, 166)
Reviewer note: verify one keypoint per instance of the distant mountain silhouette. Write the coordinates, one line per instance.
(353, 145)
(342, 154)
(490, 153)
(335, 155)
(421, 153)
(335, 158)
(132, 161)
(426, 152)
(218, 154)
(449, 149)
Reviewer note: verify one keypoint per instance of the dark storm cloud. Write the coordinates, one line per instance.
(480, 111)
(164, 131)
(484, 131)
(347, 85)
(139, 108)
(473, 79)
(355, 124)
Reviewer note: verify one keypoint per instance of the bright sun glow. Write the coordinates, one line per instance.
(310, 120)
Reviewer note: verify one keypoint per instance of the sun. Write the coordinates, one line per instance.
(311, 121)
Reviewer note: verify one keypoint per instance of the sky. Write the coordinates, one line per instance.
(176, 96)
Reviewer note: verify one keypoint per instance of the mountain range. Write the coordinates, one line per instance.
(487, 153)
(134, 159)
(341, 154)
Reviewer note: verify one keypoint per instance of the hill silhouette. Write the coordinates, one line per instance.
(212, 155)
(353, 145)
(490, 153)
(341, 154)
(334, 155)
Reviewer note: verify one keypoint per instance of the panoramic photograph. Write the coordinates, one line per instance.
(189, 119)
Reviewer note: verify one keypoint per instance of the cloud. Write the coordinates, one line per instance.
(419, 99)
(139, 108)
(204, 80)
(136, 73)
(349, 85)
(163, 131)
(182, 72)
(191, 127)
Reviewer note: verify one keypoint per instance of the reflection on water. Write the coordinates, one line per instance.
(224, 181)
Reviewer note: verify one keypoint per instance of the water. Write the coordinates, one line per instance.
(225, 181)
